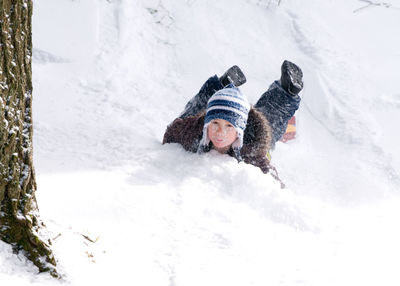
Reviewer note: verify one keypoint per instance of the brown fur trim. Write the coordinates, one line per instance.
(187, 132)
(258, 133)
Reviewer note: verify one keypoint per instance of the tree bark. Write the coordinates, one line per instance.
(19, 223)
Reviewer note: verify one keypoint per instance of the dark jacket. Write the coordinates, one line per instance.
(256, 140)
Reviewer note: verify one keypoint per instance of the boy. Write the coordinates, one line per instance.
(220, 117)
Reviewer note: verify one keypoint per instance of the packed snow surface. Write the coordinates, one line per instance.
(123, 209)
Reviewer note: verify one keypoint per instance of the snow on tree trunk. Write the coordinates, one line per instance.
(19, 224)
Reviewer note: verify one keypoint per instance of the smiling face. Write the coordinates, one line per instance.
(222, 134)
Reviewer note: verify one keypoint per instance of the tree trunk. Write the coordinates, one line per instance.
(19, 223)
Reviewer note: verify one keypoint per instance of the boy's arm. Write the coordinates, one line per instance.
(171, 135)
(186, 132)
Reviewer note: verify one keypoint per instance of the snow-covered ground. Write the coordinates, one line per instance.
(109, 75)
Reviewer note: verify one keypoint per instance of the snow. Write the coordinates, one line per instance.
(122, 208)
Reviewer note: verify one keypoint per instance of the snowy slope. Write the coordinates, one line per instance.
(110, 75)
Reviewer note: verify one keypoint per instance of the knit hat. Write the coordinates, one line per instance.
(231, 105)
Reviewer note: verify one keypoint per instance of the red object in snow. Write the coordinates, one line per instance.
(290, 133)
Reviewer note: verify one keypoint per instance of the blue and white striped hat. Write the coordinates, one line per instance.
(231, 105)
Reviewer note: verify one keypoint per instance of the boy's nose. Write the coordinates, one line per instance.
(220, 130)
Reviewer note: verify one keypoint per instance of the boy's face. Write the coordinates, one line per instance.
(222, 134)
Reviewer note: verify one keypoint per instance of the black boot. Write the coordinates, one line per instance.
(291, 78)
(233, 75)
